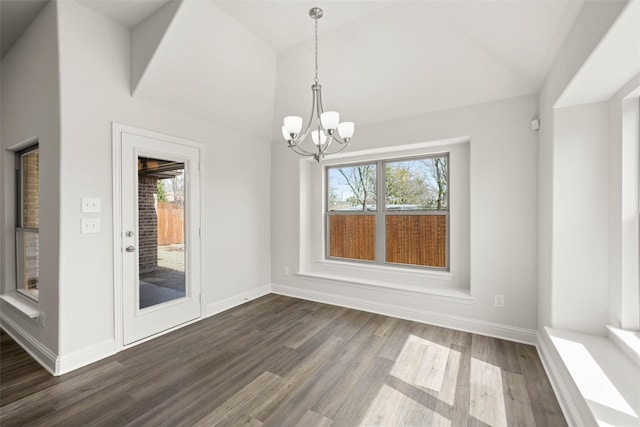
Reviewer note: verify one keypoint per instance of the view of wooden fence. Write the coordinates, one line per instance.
(170, 224)
(410, 239)
(417, 240)
(352, 236)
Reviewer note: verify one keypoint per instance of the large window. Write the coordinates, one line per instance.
(389, 212)
(28, 221)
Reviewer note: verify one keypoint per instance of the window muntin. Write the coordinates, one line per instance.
(28, 222)
(410, 229)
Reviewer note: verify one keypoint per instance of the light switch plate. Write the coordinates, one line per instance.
(90, 225)
(90, 205)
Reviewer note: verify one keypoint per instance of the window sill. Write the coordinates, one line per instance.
(398, 271)
(602, 373)
(456, 295)
(22, 304)
(627, 341)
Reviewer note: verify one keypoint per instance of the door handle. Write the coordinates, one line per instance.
(130, 248)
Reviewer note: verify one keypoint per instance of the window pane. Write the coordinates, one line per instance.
(30, 189)
(352, 188)
(28, 250)
(417, 240)
(417, 184)
(161, 226)
(352, 236)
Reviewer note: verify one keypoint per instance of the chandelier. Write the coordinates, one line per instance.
(326, 124)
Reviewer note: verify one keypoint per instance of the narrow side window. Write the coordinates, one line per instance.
(28, 221)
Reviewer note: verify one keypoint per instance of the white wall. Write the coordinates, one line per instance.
(593, 22)
(147, 36)
(95, 90)
(580, 194)
(581, 218)
(30, 109)
(502, 206)
(212, 67)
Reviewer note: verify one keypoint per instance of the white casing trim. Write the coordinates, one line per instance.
(117, 130)
(481, 327)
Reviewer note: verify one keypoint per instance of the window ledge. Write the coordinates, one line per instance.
(22, 304)
(603, 374)
(444, 294)
(401, 271)
(627, 341)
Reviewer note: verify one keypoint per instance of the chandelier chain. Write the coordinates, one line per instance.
(316, 79)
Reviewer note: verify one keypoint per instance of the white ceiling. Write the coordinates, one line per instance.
(127, 12)
(16, 15)
(282, 24)
(379, 60)
(412, 58)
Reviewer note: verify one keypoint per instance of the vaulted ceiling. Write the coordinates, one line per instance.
(248, 63)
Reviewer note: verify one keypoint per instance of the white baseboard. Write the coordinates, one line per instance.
(511, 333)
(41, 354)
(236, 300)
(566, 391)
(56, 365)
(86, 356)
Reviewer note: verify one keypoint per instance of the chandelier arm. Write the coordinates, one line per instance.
(320, 106)
(301, 151)
(296, 141)
(338, 139)
(331, 135)
(300, 138)
(342, 147)
(320, 111)
(323, 149)
(314, 88)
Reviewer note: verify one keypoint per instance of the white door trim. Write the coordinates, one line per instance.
(118, 130)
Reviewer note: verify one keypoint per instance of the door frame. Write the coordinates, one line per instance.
(118, 130)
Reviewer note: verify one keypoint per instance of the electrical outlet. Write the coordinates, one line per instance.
(498, 300)
(285, 271)
(90, 205)
(90, 225)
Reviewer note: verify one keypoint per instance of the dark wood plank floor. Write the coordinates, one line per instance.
(280, 361)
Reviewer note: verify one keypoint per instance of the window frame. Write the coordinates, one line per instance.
(381, 212)
(19, 218)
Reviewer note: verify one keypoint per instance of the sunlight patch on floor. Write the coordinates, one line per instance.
(391, 407)
(486, 401)
(422, 363)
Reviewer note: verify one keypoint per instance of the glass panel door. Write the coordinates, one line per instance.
(159, 233)
(161, 228)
